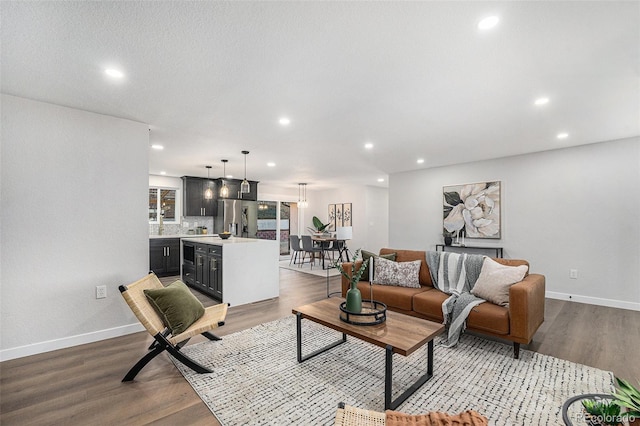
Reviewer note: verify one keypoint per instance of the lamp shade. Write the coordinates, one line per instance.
(344, 232)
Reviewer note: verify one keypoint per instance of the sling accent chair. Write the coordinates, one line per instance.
(164, 340)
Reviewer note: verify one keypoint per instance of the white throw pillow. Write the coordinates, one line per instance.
(495, 280)
(401, 274)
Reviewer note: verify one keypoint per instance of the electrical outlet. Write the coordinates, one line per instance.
(573, 274)
(101, 291)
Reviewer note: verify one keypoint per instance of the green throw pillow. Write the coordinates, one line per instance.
(365, 258)
(176, 305)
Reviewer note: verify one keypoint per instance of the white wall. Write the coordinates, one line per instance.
(369, 212)
(573, 208)
(74, 216)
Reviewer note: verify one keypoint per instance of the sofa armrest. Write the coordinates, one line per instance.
(526, 307)
(348, 267)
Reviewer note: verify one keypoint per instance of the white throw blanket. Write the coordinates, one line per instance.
(456, 275)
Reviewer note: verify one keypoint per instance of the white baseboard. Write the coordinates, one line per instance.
(67, 342)
(594, 300)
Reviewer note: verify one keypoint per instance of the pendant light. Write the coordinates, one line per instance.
(302, 196)
(244, 186)
(208, 193)
(224, 190)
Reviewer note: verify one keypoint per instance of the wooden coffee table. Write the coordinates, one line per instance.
(400, 334)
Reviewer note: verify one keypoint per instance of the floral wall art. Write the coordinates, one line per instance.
(472, 210)
(339, 215)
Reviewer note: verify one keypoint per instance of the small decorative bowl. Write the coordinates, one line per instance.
(224, 235)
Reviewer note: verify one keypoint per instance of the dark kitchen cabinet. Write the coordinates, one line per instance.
(164, 256)
(206, 273)
(214, 260)
(194, 202)
(234, 189)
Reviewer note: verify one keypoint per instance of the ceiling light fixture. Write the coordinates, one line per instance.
(284, 121)
(163, 173)
(112, 72)
(158, 147)
(488, 22)
(208, 193)
(562, 135)
(302, 196)
(380, 180)
(224, 190)
(368, 145)
(244, 186)
(420, 160)
(271, 164)
(541, 101)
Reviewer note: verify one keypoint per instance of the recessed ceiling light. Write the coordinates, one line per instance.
(488, 23)
(368, 145)
(562, 135)
(163, 173)
(541, 101)
(420, 160)
(284, 121)
(271, 164)
(112, 72)
(380, 180)
(158, 147)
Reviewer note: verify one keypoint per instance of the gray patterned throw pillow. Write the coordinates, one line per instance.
(401, 274)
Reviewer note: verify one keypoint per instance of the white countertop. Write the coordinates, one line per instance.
(153, 237)
(214, 239)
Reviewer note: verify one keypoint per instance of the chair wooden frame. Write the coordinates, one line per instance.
(213, 317)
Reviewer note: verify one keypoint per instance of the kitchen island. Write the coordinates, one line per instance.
(235, 271)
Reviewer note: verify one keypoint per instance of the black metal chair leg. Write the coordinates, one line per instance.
(187, 361)
(142, 362)
(211, 336)
(516, 350)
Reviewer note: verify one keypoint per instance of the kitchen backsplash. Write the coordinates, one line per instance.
(176, 229)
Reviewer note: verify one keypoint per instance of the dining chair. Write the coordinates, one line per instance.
(295, 248)
(308, 247)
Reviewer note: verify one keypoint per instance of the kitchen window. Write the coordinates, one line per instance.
(162, 201)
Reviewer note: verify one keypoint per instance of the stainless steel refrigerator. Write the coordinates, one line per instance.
(240, 217)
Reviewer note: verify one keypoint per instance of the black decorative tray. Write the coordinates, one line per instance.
(372, 313)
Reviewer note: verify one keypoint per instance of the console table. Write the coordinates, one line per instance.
(497, 249)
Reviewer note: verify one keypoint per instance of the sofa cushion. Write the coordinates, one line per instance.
(401, 274)
(490, 318)
(495, 279)
(393, 297)
(410, 255)
(511, 262)
(429, 303)
(365, 257)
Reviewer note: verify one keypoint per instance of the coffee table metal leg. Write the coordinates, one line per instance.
(390, 404)
(314, 353)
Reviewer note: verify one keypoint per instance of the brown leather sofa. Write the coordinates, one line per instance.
(517, 322)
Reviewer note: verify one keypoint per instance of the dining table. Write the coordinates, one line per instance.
(323, 242)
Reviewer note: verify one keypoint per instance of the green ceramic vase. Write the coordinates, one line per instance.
(354, 299)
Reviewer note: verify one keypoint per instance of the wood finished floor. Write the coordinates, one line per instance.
(81, 385)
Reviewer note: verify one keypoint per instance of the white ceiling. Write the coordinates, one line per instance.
(417, 79)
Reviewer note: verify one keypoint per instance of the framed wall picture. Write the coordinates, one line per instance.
(339, 215)
(472, 210)
(332, 217)
(346, 214)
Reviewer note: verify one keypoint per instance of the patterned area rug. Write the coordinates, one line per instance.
(257, 379)
(306, 268)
